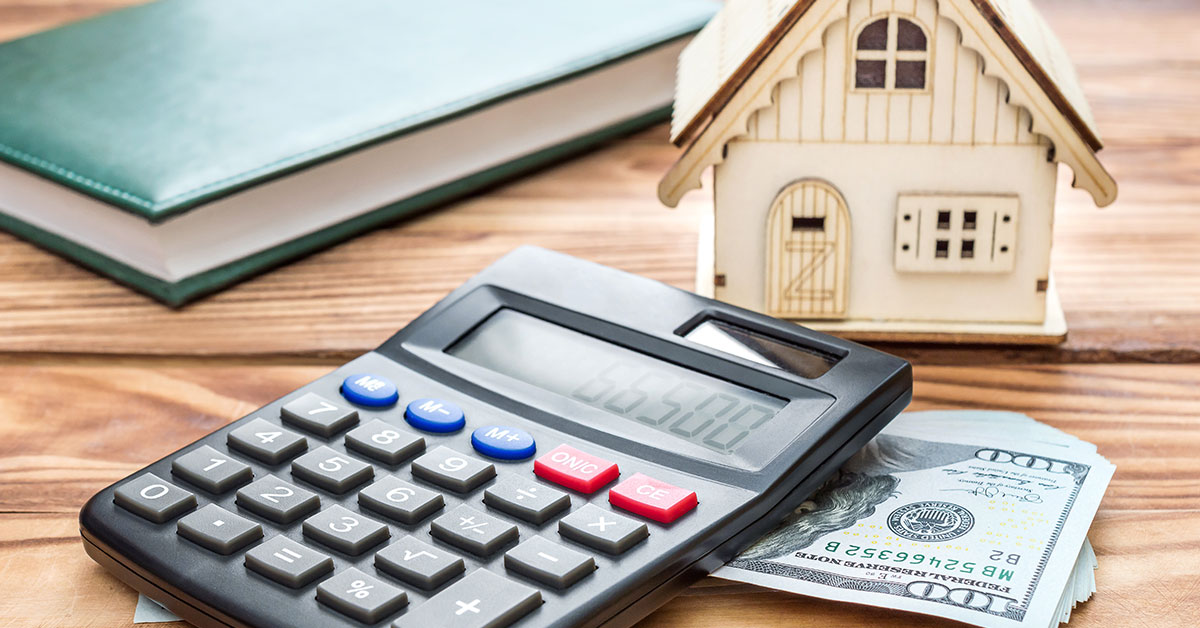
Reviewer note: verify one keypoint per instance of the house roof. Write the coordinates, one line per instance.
(726, 52)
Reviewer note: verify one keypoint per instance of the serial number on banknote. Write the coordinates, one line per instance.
(995, 572)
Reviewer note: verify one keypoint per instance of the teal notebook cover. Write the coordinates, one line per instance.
(164, 107)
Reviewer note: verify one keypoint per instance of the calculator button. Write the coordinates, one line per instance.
(360, 596)
(369, 390)
(153, 498)
(548, 562)
(345, 531)
(473, 530)
(569, 467)
(219, 530)
(449, 469)
(418, 563)
(525, 498)
(399, 500)
(318, 415)
(481, 600)
(505, 443)
(384, 442)
(330, 470)
(288, 562)
(211, 470)
(277, 500)
(266, 441)
(434, 415)
(603, 530)
(650, 498)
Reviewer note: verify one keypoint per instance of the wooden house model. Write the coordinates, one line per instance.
(884, 168)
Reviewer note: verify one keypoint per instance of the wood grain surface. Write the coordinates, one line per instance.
(96, 381)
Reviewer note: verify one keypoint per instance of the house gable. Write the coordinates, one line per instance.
(957, 103)
(813, 55)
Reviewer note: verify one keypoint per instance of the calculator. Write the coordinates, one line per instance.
(555, 443)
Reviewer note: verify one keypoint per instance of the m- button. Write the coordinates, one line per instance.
(575, 470)
(650, 498)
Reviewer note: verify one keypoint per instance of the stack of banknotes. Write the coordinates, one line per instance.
(979, 517)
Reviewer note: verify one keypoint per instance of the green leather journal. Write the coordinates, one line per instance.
(182, 145)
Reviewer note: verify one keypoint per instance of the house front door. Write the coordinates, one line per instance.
(808, 252)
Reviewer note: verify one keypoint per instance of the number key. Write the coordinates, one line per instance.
(266, 441)
(403, 501)
(330, 470)
(449, 469)
(153, 498)
(384, 442)
(345, 531)
(277, 500)
(211, 470)
(318, 415)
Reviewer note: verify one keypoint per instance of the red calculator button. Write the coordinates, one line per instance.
(575, 470)
(650, 498)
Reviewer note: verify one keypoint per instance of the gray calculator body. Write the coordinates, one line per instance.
(805, 402)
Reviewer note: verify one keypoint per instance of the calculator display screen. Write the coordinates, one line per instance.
(674, 400)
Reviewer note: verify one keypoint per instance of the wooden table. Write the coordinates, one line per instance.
(96, 381)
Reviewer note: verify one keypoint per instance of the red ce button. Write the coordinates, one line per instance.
(650, 498)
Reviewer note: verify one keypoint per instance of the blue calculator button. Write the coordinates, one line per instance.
(434, 415)
(505, 443)
(369, 390)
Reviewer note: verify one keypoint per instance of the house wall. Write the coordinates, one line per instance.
(870, 178)
(957, 136)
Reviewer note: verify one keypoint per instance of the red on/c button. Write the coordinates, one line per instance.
(650, 498)
(575, 470)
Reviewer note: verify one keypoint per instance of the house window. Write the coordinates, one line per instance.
(891, 53)
(956, 233)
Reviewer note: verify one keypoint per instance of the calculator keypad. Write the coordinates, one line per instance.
(345, 531)
(447, 536)
(399, 500)
(603, 530)
(330, 470)
(266, 441)
(361, 596)
(318, 415)
(473, 530)
(288, 562)
(219, 530)
(211, 470)
(384, 442)
(449, 469)
(419, 563)
(153, 498)
(525, 498)
(277, 500)
(480, 600)
(548, 562)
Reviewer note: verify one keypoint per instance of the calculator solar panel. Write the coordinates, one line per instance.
(555, 443)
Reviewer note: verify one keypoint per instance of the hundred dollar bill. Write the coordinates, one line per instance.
(977, 517)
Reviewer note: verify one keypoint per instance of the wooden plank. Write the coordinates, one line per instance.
(1126, 274)
(72, 427)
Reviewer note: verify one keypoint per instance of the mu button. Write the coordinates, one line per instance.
(650, 498)
(575, 470)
